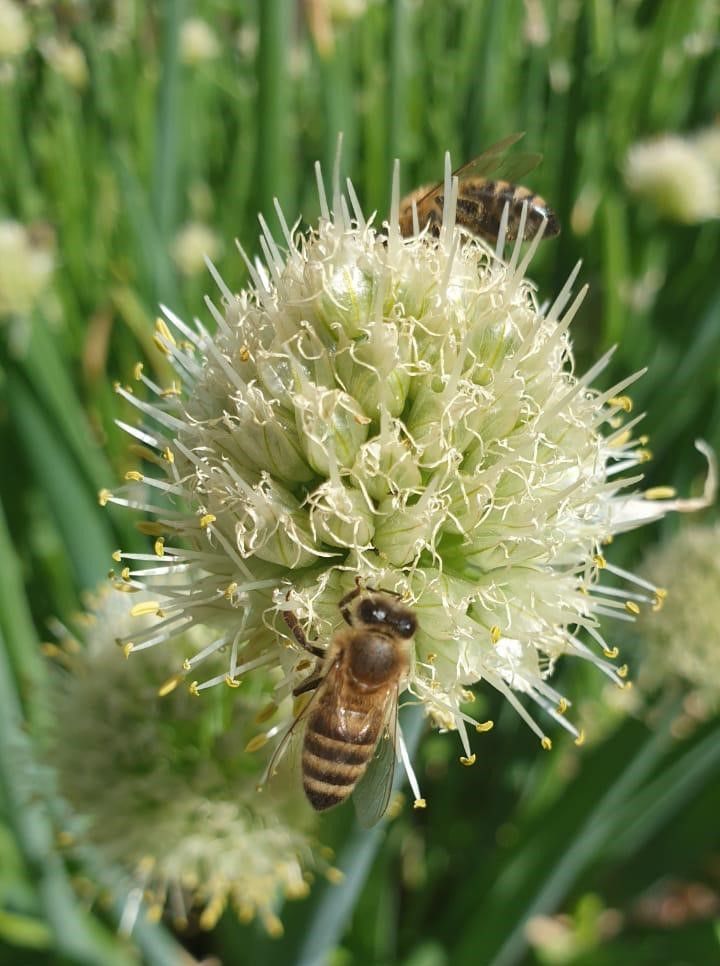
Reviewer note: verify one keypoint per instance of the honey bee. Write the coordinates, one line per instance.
(487, 184)
(350, 721)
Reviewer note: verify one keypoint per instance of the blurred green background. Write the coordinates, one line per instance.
(129, 144)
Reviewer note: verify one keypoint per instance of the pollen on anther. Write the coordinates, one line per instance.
(231, 681)
(623, 671)
(546, 743)
(138, 371)
(611, 652)
(660, 595)
(206, 520)
(631, 607)
(187, 665)
(170, 685)
(128, 648)
(495, 633)
(125, 573)
(470, 760)
(160, 547)
(168, 455)
(483, 726)
(117, 556)
(660, 493)
(419, 803)
(194, 689)
(599, 561)
(623, 402)
(562, 706)
(104, 496)
(580, 740)
(134, 476)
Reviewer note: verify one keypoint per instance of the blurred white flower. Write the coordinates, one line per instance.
(675, 176)
(198, 42)
(682, 640)
(193, 243)
(67, 59)
(401, 410)
(14, 29)
(26, 266)
(163, 786)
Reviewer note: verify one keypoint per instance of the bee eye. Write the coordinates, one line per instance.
(380, 614)
(405, 627)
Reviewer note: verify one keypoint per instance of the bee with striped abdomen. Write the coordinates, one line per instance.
(351, 719)
(486, 185)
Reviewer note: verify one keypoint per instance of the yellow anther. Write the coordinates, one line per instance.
(187, 665)
(659, 600)
(431, 658)
(244, 353)
(622, 438)
(211, 913)
(644, 455)
(273, 925)
(297, 890)
(104, 496)
(580, 740)
(144, 608)
(643, 440)
(419, 803)
(623, 402)
(138, 370)
(134, 476)
(232, 682)
(168, 455)
(495, 633)
(334, 875)
(125, 573)
(172, 390)
(128, 648)
(256, 743)
(611, 652)
(622, 671)
(562, 706)
(125, 588)
(194, 689)
(265, 713)
(169, 686)
(599, 561)
(117, 386)
(206, 520)
(163, 335)
(154, 912)
(327, 853)
(469, 760)
(230, 590)
(117, 556)
(467, 696)
(483, 726)
(546, 743)
(160, 547)
(606, 541)
(631, 607)
(660, 493)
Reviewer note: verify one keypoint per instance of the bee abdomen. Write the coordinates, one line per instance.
(494, 195)
(332, 767)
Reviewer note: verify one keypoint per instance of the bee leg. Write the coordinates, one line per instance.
(309, 684)
(299, 634)
(343, 605)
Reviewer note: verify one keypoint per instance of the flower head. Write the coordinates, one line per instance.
(681, 641)
(403, 411)
(676, 175)
(198, 42)
(193, 243)
(26, 265)
(14, 29)
(164, 786)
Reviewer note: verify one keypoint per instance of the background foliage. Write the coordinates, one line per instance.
(620, 837)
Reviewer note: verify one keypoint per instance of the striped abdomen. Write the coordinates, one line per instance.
(480, 208)
(338, 744)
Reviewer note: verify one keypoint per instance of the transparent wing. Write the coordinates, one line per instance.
(288, 737)
(494, 163)
(372, 793)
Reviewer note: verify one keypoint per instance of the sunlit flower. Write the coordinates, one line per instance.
(682, 640)
(198, 42)
(194, 243)
(26, 265)
(67, 59)
(164, 787)
(14, 29)
(402, 411)
(675, 176)
(324, 16)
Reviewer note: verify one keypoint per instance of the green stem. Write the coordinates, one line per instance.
(273, 156)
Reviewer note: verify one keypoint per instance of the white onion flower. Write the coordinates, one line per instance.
(402, 411)
(163, 789)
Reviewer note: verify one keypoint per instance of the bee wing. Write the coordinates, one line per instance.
(292, 731)
(372, 793)
(495, 162)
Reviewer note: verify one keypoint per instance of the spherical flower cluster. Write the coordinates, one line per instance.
(14, 30)
(164, 787)
(401, 411)
(682, 641)
(678, 175)
(198, 42)
(193, 243)
(26, 264)
(67, 59)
